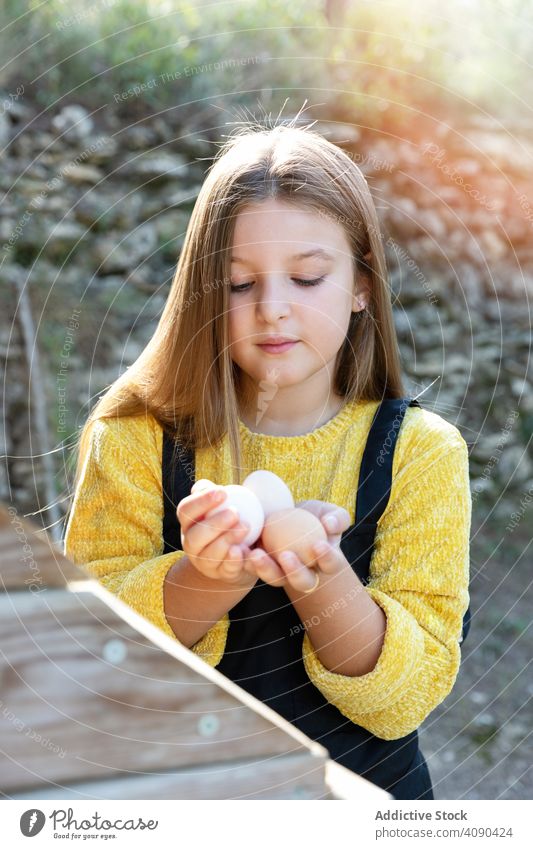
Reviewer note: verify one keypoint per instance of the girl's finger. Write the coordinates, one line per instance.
(216, 552)
(336, 521)
(232, 564)
(334, 540)
(248, 567)
(194, 506)
(300, 577)
(260, 556)
(329, 557)
(206, 531)
(266, 568)
(203, 483)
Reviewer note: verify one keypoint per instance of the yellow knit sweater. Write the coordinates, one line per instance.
(420, 565)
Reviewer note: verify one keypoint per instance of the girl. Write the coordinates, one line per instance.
(276, 350)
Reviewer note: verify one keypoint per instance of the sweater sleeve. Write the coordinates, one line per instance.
(419, 576)
(115, 528)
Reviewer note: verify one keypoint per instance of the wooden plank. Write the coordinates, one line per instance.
(91, 690)
(84, 695)
(342, 783)
(302, 777)
(29, 559)
(299, 776)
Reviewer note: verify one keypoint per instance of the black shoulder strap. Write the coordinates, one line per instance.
(178, 476)
(375, 476)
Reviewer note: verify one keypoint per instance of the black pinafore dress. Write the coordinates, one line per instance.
(263, 653)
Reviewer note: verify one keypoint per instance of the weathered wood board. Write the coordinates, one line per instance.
(98, 703)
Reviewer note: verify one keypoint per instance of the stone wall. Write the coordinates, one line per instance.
(92, 220)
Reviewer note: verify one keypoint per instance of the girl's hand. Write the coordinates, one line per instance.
(295, 574)
(290, 571)
(323, 510)
(212, 545)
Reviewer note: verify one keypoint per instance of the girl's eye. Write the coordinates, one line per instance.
(244, 286)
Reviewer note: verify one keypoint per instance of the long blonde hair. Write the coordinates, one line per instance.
(185, 376)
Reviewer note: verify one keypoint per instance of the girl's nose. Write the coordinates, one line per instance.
(271, 302)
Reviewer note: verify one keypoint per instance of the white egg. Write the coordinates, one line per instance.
(271, 490)
(247, 506)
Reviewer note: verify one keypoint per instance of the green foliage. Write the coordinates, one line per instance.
(24, 254)
(382, 62)
(97, 54)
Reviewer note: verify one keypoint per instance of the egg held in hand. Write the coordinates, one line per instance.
(295, 530)
(248, 507)
(271, 490)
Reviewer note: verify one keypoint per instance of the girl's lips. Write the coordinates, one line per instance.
(278, 349)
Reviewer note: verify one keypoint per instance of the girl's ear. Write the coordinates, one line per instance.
(361, 297)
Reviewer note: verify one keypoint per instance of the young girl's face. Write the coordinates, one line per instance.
(277, 291)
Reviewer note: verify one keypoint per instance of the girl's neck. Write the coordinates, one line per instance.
(305, 423)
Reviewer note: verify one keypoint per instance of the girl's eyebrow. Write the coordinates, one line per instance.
(313, 252)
